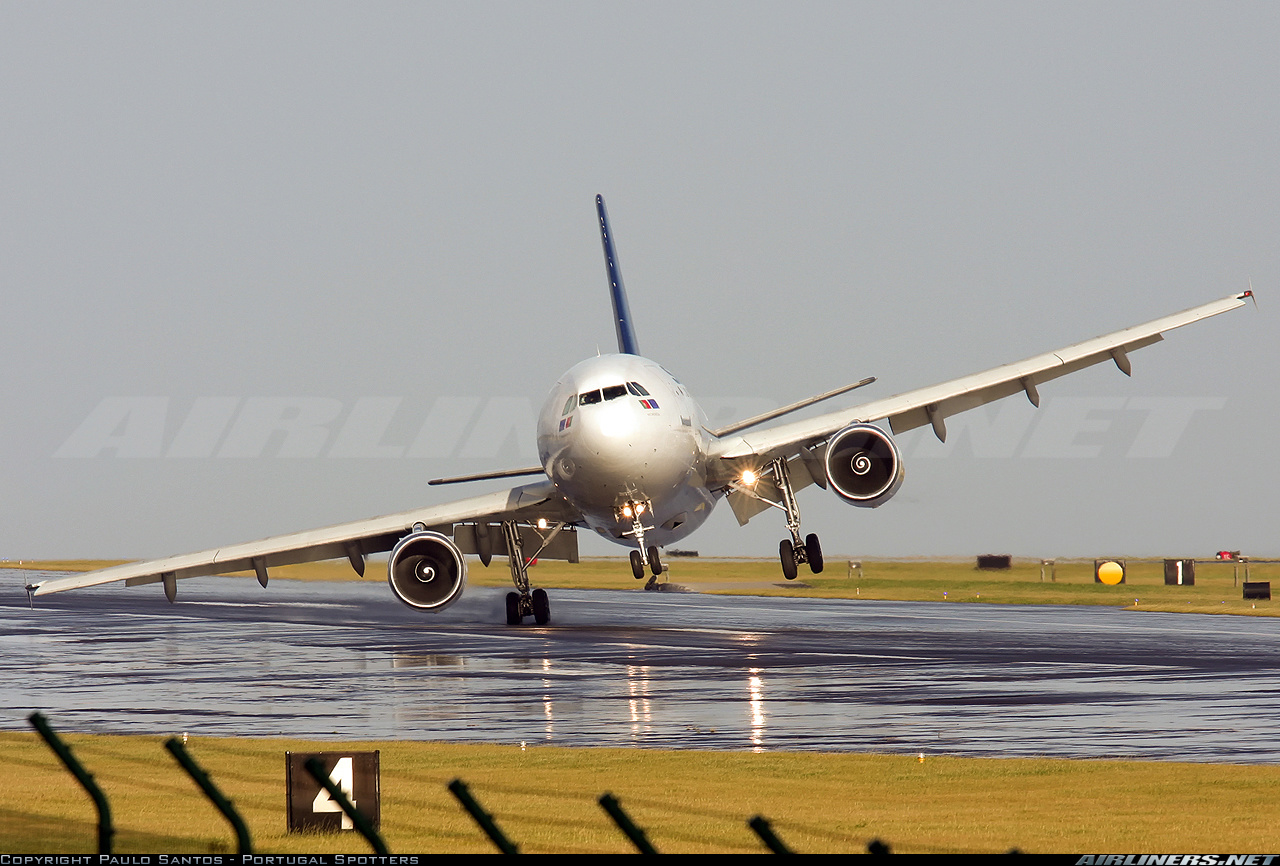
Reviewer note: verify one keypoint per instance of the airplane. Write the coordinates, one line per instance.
(625, 452)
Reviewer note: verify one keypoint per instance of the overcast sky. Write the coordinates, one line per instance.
(379, 218)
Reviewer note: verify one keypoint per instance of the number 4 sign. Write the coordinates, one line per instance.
(311, 809)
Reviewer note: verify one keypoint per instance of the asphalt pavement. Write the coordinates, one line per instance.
(659, 670)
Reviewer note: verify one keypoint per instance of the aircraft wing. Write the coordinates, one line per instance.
(932, 405)
(352, 541)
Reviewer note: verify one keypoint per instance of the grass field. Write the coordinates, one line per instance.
(544, 799)
(1216, 590)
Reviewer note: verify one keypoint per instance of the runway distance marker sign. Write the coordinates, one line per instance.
(310, 809)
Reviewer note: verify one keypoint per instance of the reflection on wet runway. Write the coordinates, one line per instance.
(345, 660)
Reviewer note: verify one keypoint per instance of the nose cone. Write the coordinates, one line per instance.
(612, 431)
(618, 428)
(612, 443)
(620, 451)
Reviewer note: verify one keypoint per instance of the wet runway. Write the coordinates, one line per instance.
(345, 660)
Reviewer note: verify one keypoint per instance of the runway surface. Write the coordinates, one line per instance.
(346, 660)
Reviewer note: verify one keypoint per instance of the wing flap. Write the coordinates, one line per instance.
(373, 535)
(931, 405)
(960, 395)
(536, 543)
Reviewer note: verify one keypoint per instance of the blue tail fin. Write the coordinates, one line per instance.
(621, 312)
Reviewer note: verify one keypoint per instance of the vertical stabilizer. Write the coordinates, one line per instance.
(621, 312)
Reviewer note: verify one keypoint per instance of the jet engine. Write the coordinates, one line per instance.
(426, 571)
(864, 465)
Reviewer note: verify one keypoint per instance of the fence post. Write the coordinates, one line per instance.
(635, 834)
(105, 829)
(767, 836)
(317, 771)
(201, 778)
(460, 790)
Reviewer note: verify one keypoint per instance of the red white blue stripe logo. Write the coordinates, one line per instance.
(649, 404)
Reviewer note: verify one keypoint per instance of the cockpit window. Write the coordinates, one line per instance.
(637, 389)
(569, 404)
(588, 397)
(613, 392)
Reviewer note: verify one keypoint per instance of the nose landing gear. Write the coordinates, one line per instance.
(633, 511)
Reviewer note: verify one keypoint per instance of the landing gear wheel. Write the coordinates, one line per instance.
(654, 562)
(513, 608)
(541, 607)
(814, 551)
(787, 554)
(637, 565)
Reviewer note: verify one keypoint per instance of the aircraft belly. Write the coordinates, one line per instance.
(666, 470)
(673, 519)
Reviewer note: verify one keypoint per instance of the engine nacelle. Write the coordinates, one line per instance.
(864, 465)
(426, 571)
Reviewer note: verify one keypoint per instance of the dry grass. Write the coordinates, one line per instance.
(545, 800)
(1216, 589)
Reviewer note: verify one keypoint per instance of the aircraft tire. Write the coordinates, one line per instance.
(814, 550)
(513, 608)
(655, 563)
(637, 565)
(541, 607)
(788, 556)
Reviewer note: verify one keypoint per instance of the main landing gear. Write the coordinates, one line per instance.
(642, 556)
(792, 555)
(792, 551)
(523, 602)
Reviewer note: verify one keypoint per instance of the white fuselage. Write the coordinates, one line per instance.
(620, 429)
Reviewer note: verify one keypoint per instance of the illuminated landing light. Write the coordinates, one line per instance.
(749, 478)
(632, 509)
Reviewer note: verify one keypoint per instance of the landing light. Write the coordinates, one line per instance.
(749, 478)
(632, 509)
(542, 523)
